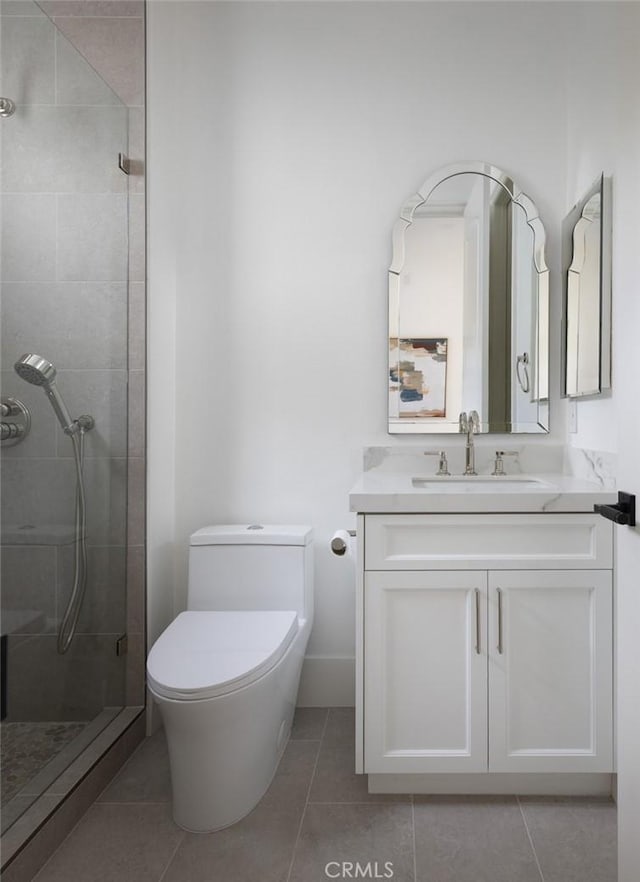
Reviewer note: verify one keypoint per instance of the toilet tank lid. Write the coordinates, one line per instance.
(253, 534)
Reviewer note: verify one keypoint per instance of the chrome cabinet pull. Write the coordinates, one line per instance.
(500, 647)
(478, 621)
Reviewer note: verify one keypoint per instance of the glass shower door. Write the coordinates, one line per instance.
(64, 296)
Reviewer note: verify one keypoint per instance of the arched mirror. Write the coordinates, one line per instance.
(587, 293)
(469, 306)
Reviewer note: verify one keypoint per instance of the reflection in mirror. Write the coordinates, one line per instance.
(587, 260)
(468, 306)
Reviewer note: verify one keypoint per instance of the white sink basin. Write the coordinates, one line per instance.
(479, 482)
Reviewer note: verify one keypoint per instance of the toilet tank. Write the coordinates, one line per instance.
(251, 566)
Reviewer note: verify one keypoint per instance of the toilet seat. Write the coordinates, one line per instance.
(206, 654)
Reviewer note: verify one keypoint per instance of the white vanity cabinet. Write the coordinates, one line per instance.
(550, 654)
(486, 643)
(425, 685)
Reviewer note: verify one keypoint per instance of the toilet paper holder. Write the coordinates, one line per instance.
(339, 544)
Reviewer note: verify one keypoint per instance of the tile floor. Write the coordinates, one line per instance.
(318, 814)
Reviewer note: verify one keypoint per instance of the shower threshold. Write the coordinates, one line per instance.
(23, 842)
(36, 754)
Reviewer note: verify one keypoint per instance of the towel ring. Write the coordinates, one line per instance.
(524, 361)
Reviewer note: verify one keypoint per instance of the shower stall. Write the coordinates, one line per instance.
(72, 587)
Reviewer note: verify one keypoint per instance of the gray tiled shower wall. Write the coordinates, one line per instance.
(73, 290)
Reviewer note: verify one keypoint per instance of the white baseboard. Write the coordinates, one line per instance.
(327, 681)
(495, 784)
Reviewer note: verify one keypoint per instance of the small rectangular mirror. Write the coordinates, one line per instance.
(586, 259)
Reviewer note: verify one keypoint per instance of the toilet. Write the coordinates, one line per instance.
(225, 673)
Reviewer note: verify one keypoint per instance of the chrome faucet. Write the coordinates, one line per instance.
(469, 423)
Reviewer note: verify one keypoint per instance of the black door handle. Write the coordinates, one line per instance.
(623, 512)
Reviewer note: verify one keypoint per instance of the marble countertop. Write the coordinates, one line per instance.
(385, 491)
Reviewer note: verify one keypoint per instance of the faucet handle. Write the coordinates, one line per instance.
(498, 466)
(443, 465)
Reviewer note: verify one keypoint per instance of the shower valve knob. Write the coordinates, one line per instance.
(16, 428)
(9, 431)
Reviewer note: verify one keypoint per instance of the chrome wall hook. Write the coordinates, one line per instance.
(7, 107)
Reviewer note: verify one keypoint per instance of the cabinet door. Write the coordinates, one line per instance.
(425, 650)
(550, 671)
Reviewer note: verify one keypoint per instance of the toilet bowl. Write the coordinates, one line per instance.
(225, 673)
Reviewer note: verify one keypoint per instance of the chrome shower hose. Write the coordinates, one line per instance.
(69, 622)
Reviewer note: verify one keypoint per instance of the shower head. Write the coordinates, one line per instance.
(35, 370)
(39, 372)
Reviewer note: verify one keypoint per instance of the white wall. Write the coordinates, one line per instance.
(598, 103)
(432, 292)
(284, 140)
(604, 135)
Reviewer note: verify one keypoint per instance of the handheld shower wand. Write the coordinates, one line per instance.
(40, 372)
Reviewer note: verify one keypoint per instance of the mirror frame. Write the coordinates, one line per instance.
(603, 186)
(541, 379)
